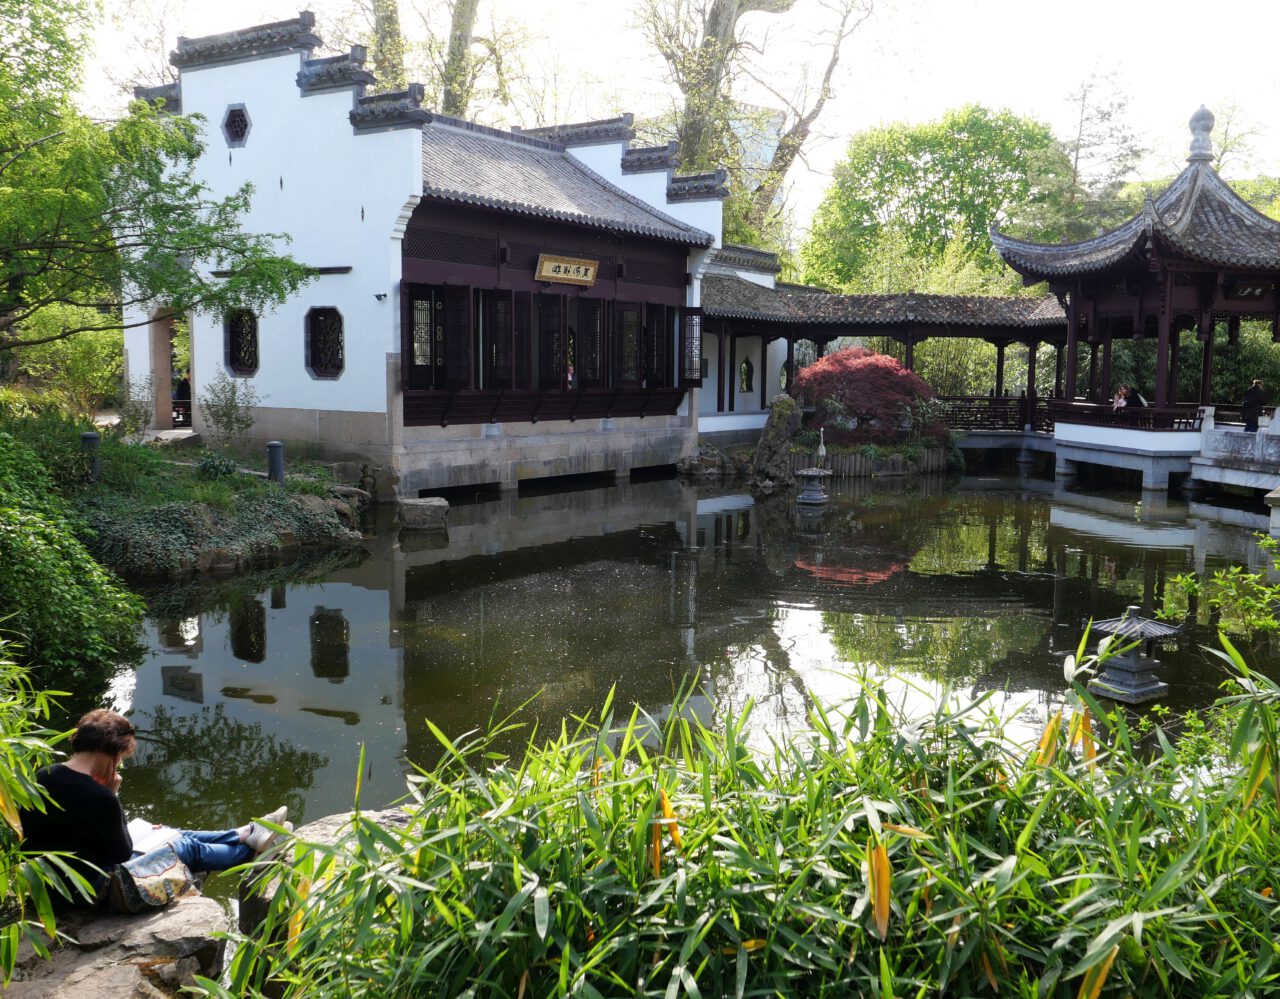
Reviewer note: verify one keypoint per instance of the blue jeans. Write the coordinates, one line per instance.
(211, 851)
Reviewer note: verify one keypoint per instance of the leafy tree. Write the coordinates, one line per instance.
(706, 48)
(1103, 153)
(951, 179)
(83, 370)
(96, 217)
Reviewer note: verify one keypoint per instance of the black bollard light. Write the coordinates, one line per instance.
(89, 441)
(275, 461)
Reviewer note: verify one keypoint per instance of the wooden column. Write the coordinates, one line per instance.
(1000, 371)
(1106, 364)
(1093, 370)
(911, 352)
(733, 370)
(764, 371)
(1073, 342)
(1175, 349)
(1206, 366)
(1162, 341)
(1058, 351)
(791, 362)
(1030, 419)
(720, 345)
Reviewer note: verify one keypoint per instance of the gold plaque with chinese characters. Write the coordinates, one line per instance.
(566, 270)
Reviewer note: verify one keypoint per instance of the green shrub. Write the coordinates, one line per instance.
(227, 407)
(81, 370)
(71, 614)
(881, 854)
(216, 465)
(217, 493)
(41, 424)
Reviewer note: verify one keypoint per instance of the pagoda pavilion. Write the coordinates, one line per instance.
(1196, 256)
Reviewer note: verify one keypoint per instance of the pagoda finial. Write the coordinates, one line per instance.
(1201, 126)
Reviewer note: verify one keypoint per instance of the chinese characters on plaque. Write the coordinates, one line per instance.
(566, 270)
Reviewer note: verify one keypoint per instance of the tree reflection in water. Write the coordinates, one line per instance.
(206, 770)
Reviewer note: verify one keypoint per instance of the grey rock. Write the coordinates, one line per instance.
(428, 514)
(150, 955)
(773, 453)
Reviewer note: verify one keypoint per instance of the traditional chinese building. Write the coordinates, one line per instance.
(487, 307)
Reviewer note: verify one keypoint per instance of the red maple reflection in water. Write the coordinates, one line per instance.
(847, 575)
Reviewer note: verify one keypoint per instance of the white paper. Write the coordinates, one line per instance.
(147, 837)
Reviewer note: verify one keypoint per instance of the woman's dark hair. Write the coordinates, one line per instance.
(104, 731)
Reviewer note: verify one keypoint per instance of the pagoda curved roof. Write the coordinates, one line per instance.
(1197, 217)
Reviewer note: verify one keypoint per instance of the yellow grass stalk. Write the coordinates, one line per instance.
(295, 917)
(1091, 984)
(988, 973)
(1048, 747)
(595, 772)
(750, 946)
(1260, 764)
(669, 817)
(10, 811)
(524, 984)
(911, 831)
(878, 877)
(657, 849)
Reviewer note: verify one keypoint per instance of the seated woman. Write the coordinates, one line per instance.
(83, 815)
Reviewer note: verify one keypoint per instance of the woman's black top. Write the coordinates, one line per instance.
(82, 818)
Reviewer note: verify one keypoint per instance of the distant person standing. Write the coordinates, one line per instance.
(1251, 406)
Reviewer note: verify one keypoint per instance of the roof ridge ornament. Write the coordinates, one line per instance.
(1201, 125)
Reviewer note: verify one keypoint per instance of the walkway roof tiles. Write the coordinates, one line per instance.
(727, 297)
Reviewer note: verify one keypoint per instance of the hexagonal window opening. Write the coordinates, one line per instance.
(236, 124)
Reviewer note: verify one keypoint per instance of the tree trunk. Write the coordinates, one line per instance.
(458, 82)
(388, 45)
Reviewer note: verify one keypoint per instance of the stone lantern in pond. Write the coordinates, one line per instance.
(1131, 677)
(813, 486)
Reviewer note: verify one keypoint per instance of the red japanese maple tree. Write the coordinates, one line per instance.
(859, 395)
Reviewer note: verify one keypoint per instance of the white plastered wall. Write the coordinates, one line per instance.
(342, 199)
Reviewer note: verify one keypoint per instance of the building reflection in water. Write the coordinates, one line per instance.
(248, 629)
(543, 605)
(330, 645)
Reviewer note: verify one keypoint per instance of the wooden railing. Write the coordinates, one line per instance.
(985, 412)
(1130, 418)
(430, 408)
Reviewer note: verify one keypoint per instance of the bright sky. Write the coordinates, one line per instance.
(911, 61)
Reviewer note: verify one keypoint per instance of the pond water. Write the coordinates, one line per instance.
(262, 690)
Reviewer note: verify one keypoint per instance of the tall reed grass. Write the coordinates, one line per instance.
(879, 855)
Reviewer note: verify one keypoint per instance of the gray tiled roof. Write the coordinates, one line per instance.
(1197, 216)
(586, 133)
(699, 186)
(748, 258)
(294, 35)
(651, 159)
(336, 72)
(474, 165)
(168, 93)
(729, 297)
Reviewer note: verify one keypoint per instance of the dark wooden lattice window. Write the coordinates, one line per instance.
(655, 346)
(626, 344)
(691, 361)
(521, 311)
(589, 340)
(551, 342)
(235, 125)
(501, 340)
(325, 356)
(457, 332)
(241, 337)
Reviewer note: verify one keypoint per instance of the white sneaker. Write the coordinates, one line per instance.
(260, 837)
